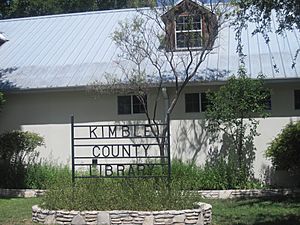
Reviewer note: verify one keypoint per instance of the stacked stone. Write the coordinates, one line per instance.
(228, 194)
(170, 217)
(198, 216)
(25, 193)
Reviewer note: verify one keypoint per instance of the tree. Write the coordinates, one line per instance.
(4, 8)
(151, 61)
(263, 14)
(231, 117)
(26, 8)
(2, 100)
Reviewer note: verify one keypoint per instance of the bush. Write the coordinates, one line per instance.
(217, 176)
(136, 194)
(118, 194)
(17, 150)
(42, 174)
(284, 150)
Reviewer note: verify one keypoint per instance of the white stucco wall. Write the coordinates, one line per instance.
(48, 113)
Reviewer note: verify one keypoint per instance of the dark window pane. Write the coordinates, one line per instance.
(194, 39)
(204, 102)
(268, 102)
(192, 102)
(185, 23)
(124, 104)
(188, 39)
(297, 99)
(138, 106)
(180, 40)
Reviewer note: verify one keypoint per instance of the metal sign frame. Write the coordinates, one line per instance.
(104, 151)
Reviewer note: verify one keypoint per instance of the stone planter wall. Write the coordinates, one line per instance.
(251, 193)
(25, 193)
(201, 215)
(209, 194)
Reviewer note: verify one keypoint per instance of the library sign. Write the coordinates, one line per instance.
(119, 150)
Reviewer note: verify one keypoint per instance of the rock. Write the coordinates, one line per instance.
(179, 219)
(78, 220)
(103, 218)
(200, 220)
(50, 219)
(149, 220)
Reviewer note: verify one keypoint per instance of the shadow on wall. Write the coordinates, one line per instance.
(190, 141)
(281, 178)
(214, 74)
(229, 153)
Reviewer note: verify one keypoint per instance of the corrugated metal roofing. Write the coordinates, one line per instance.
(76, 49)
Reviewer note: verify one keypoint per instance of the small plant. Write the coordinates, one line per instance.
(284, 150)
(17, 150)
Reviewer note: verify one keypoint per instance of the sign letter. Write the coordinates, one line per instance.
(120, 170)
(112, 131)
(107, 151)
(95, 149)
(125, 131)
(108, 171)
(92, 132)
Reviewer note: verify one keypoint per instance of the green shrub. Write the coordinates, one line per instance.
(118, 194)
(137, 194)
(41, 175)
(284, 150)
(17, 150)
(209, 177)
(187, 176)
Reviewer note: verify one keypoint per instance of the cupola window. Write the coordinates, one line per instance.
(188, 32)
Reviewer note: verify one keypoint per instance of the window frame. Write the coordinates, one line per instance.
(176, 32)
(133, 109)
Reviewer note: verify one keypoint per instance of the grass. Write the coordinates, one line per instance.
(17, 211)
(256, 211)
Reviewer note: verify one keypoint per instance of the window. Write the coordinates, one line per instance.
(204, 102)
(124, 104)
(297, 99)
(268, 101)
(188, 32)
(138, 105)
(131, 103)
(193, 103)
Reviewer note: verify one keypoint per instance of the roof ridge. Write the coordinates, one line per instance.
(73, 14)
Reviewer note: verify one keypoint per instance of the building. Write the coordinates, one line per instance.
(48, 62)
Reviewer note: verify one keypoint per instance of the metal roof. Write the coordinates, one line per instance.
(72, 50)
